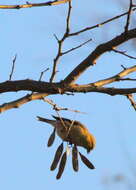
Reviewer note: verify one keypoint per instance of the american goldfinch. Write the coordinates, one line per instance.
(73, 132)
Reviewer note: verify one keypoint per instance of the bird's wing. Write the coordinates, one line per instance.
(64, 119)
(69, 121)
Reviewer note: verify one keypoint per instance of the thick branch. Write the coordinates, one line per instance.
(82, 89)
(57, 88)
(60, 88)
(114, 78)
(110, 91)
(91, 59)
(17, 103)
(29, 85)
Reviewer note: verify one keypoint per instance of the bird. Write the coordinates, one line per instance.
(71, 131)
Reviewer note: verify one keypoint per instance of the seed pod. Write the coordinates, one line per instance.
(62, 165)
(86, 161)
(57, 157)
(75, 158)
(51, 138)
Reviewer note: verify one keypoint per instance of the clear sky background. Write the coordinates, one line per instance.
(24, 157)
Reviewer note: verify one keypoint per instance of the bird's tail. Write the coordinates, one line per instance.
(52, 122)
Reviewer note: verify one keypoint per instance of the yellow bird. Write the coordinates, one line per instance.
(73, 132)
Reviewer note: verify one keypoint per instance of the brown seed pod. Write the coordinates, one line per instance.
(86, 161)
(75, 158)
(51, 138)
(57, 157)
(62, 165)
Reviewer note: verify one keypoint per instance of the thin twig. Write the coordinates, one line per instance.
(127, 79)
(13, 67)
(132, 101)
(30, 5)
(60, 43)
(123, 53)
(71, 125)
(128, 15)
(68, 19)
(42, 73)
(79, 46)
(56, 37)
(100, 24)
(58, 108)
(124, 68)
(64, 124)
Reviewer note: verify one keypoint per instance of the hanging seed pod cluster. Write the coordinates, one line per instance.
(75, 134)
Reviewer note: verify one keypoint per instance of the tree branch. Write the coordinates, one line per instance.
(114, 78)
(13, 67)
(30, 85)
(60, 87)
(58, 108)
(77, 89)
(110, 91)
(100, 24)
(91, 59)
(132, 101)
(128, 15)
(60, 43)
(74, 48)
(46, 89)
(30, 5)
(123, 53)
(17, 103)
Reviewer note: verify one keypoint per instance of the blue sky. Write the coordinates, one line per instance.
(25, 159)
